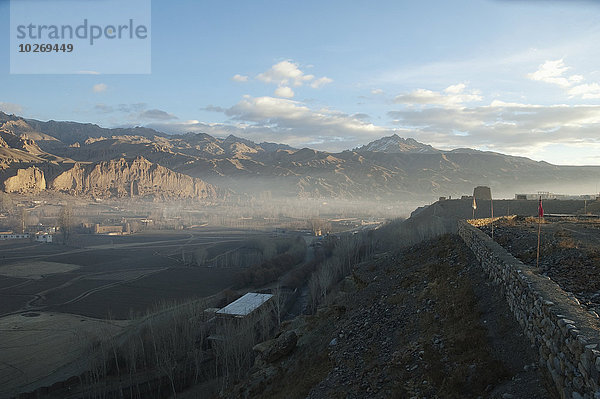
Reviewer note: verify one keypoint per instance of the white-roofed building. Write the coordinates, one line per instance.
(245, 305)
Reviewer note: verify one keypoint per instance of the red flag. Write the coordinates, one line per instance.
(540, 209)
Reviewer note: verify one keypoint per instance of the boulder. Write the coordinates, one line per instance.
(274, 349)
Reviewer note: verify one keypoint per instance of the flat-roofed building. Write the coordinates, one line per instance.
(248, 319)
(46, 238)
(244, 306)
(8, 235)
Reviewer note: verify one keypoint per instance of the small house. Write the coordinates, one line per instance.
(244, 306)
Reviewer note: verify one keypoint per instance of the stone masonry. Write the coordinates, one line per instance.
(567, 336)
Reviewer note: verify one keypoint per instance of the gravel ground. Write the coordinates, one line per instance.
(420, 323)
(569, 252)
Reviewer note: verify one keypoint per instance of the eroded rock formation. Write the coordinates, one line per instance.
(30, 180)
(123, 178)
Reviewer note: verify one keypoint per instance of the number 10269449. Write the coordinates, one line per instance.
(45, 48)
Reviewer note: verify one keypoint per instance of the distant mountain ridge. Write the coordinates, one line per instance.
(391, 168)
(25, 168)
(396, 144)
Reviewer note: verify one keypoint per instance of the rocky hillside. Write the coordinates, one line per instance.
(414, 323)
(121, 178)
(391, 168)
(26, 168)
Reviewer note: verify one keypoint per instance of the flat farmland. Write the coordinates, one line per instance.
(56, 299)
(112, 275)
(6, 282)
(38, 349)
(120, 301)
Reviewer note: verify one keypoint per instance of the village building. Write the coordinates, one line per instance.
(9, 235)
(244, 306)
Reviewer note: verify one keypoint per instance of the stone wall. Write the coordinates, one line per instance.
(567, 337)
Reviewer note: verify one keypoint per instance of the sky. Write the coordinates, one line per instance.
(517, 77)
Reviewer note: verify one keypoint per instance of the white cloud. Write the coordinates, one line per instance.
(10, 108)
(553, 72)
(585, 91)
(507, 127)
(283, 73)
(455, 89)
(287, 121)
(522, 129)
(284, 91)
(452, 96)
(320, 82)
(288, 73)
(377, 91)
(239, 78)
(99, 88)
(289, 114)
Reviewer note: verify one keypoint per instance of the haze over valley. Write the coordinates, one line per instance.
(85, 159)
(290, 200)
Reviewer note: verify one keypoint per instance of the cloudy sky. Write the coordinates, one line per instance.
(519, 77)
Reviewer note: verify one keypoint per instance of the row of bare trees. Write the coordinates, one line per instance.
(165, 349)
(236, 338)
(348, 251)
(250, 252)
(169, 350)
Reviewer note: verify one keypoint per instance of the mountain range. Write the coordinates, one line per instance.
(85, 159)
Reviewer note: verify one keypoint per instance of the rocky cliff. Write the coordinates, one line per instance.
(123, 178)
(30, 180)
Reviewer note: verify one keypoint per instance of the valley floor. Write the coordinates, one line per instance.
(420, 323)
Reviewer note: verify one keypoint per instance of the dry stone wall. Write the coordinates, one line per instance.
(567, 337)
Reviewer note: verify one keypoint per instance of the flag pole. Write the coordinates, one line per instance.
(492, 203)
(540, 214)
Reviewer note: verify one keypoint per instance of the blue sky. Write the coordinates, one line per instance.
(519, 77)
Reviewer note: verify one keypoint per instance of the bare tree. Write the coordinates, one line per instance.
(200, 256)
(22, 219)
(6, 203)
(278, 302)
(65, 222)
(314, 290)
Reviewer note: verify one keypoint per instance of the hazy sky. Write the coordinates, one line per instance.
(519, 77)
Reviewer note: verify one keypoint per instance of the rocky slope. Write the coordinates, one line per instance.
(422, 322)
